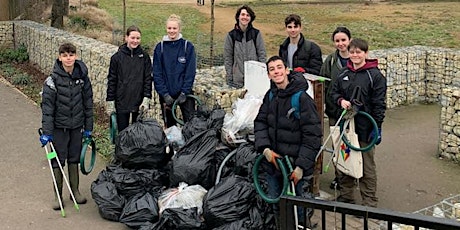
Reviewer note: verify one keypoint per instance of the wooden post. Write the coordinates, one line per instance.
(318, 88)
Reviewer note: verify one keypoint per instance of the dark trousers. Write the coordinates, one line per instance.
(187, 109)
(123, 119)
(367, 184)
(302, 189)
(68, 144)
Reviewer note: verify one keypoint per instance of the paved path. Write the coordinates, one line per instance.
(26, 186)
(410, 176)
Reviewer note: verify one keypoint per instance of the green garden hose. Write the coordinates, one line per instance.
(174, 106)
(113, 127)
(373, 141)
(255, 175)
(87, 141)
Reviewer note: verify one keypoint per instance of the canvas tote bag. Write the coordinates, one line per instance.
(347, 160)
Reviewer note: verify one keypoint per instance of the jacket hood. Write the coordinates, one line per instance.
(126, 50)
(79, 71)
(297, 82)
(166, 38)
(237, 27)
(370, 63)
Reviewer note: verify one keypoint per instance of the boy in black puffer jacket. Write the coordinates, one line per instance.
(67, 115)
(279, 132)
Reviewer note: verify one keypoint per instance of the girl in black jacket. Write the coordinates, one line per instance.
(129, 83)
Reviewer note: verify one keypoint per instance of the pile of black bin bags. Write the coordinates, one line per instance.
(128, 189)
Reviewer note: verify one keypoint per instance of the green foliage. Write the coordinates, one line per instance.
(21, 79)
(7, 70)
(14, 55)
(78, 21)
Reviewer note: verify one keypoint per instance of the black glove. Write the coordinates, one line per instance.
(168, 100)
(181, 99)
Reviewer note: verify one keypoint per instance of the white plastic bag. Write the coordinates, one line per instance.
(183, 196)
(174, 135)
(244, 112)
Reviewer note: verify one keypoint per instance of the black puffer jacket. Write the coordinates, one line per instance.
(129, 79)
(67, 100)
(299, 138)
(310, 59)
(373, 94)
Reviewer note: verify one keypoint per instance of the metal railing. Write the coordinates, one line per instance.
(365, 213)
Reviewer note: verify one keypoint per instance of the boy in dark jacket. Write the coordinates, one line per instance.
(279, 133)
(300, 54)
(67, 115)
(363, 73)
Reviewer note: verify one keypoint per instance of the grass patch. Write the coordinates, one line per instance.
(151, 19)
(385, 25)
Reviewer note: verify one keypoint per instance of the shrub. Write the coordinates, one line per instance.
(14, 55)
(78, 21)
(21, 79)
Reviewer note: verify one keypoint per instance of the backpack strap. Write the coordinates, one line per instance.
(295, 104)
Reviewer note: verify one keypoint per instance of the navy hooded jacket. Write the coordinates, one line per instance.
(174, 67)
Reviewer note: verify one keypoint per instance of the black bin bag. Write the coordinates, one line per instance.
(179, 219)
(110, 204)
(194, 163)
(140, 210)
(142, 145)
(228, 201)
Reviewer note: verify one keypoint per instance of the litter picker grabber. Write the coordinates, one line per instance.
(323, 147)
(53, 155)
(50, 156)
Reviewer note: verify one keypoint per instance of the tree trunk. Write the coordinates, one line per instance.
(66, 7)
(57, 14)
(211, 48)
(124, 16)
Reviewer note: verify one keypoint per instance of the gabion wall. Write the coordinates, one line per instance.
(415, 74)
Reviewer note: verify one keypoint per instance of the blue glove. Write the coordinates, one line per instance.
(181, 99)
(379, 138)
(87, 134)
(44, 139)
(168, 100)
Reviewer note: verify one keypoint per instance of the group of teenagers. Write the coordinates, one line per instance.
(67, 105)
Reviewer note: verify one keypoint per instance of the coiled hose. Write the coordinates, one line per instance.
(174, 107)
(255, 175)
(86, 143)
(373, 141)
(113, 127)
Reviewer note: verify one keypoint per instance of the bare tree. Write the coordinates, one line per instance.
(66, 7)
(124, 16)
(57, 14)
(211, 47)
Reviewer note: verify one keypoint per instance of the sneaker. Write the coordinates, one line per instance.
(335, 184)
